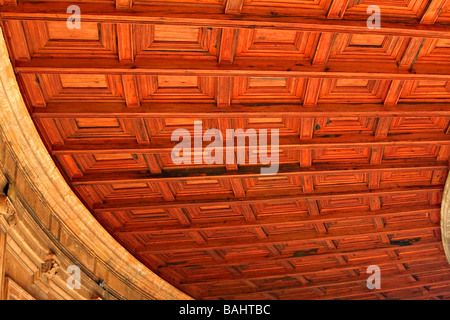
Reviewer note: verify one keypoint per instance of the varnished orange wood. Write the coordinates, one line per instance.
(280, 239)
(337, 9)
(289, 289)
(282, 220)
(225, 201)
(435, 7)
(234, 6)
(174, 110)
(251, 172)
(272, 255)
(124, 4)
(242, 67)
(213, 16)
(363, 117)
(287, 143)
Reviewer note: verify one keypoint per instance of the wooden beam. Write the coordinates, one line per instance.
(286, 239)
(196, 110)
(223, 124)
(323, 49)
(376, 156)
(214, 17)
(179, 215)
(243, 67)
(234, 6)
(433, 11)
(412, 51)
(383, 126)
(337, 9)
(308, 271)
(281, 220)
(131, 205)
(153, 166)
(125, 42)
(285, 143)
(312, 92)
(228, 42)
(289, 170)
(238, 187)
(130, 88)
(444, 153)
(142, 135)
(224, 91)
(18, 42)
(393, 95)
(305, 158)
(306, 128)
(377, 250)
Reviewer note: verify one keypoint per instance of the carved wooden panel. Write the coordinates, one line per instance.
(363, 122)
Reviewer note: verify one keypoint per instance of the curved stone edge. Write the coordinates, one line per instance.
(32, 158)
(445, 219)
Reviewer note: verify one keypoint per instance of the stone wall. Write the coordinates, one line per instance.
(45, 229)
(445, 219)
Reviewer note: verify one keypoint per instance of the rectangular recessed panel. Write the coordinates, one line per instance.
(363, 138)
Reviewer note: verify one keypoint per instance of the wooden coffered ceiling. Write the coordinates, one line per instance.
(363, 117)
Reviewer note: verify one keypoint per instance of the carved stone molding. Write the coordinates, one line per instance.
(47, 271)
(7, 211)
(15, 292)
(50, 267)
